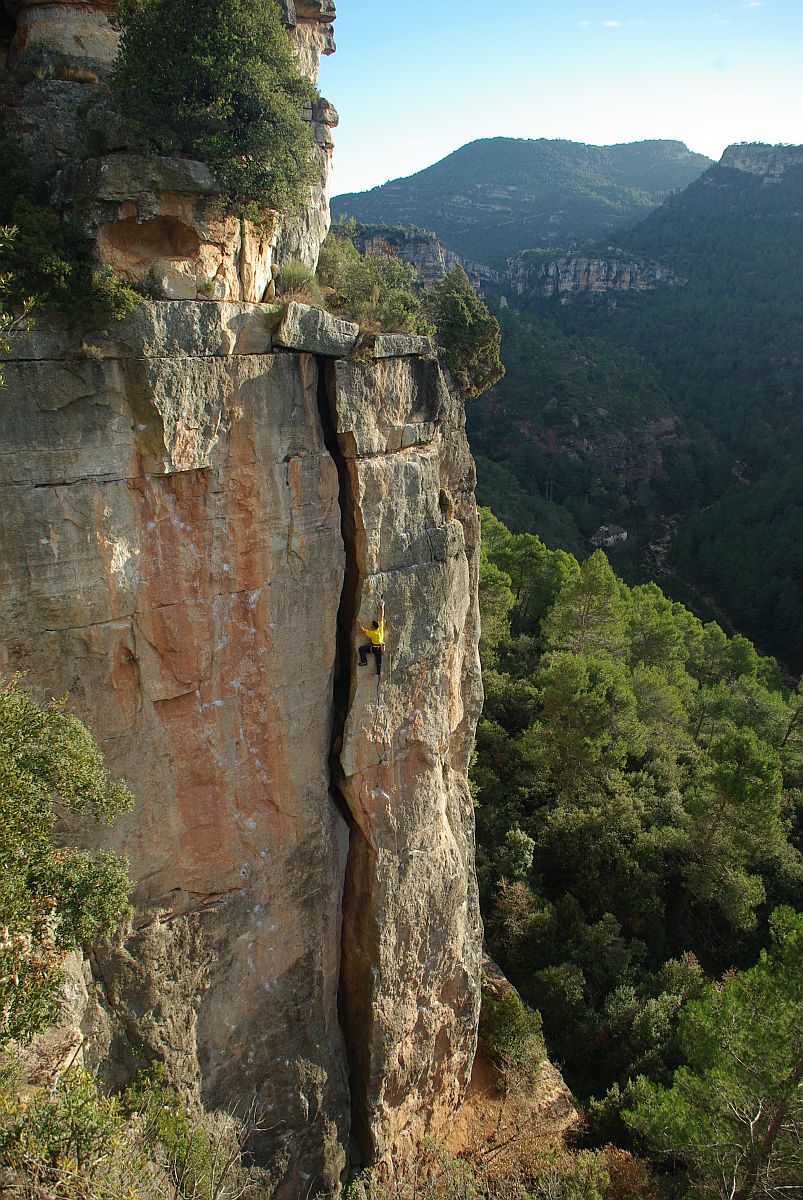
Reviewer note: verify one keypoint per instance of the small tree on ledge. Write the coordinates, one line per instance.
(467, 333)
(219, 80)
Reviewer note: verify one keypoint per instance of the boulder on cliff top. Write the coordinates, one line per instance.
(306, 328)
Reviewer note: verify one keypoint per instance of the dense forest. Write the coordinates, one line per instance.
(639, 791)
(589, 389)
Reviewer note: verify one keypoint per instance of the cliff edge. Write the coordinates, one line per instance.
(200, 503)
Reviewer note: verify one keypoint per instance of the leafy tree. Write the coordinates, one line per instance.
(734, 1112)
(220, 82)
(52, 899)
(74, 1140)
(589, 613)
(467, 332)
(638, 790)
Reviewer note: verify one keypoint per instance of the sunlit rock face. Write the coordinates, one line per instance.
(757, 158)
(600, 279)
(196, 516)
(200, 502)
(410, 994)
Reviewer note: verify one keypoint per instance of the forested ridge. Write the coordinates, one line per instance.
(639, 792)
(721, 356)
(497, 196)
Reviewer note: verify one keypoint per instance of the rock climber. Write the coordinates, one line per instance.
(376, 640)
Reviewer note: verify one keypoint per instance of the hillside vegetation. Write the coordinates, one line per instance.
(638, 783)
(497, 196)
(721, 357)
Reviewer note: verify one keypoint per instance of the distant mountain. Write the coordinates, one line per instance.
(678, 415)
(498, 196)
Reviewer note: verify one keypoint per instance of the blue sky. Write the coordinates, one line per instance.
(413, 81)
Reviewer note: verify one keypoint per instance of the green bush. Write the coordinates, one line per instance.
(296, 281)
(220, 82)
(47, 262)
(74, 1141)
(511, 1033)
(467, 333)
(53, 900)
(375, 289)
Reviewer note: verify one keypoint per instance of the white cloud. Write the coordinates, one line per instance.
(611, 24)
(584, 24)
(754, 3)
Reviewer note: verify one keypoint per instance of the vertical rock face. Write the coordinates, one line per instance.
(410, 994)
(191, 516)
(579, 277)
(172, 557)
(198, 504)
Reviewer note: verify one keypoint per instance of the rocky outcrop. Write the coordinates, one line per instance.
(199, 503)
(159, 222)
(407, 737)
(595, 279)
(756, 158)
(193, 519)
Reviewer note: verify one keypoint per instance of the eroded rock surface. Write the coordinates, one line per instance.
(197, 504)
(594, 279)
(410, 985)
(183, 539)
(156, 221)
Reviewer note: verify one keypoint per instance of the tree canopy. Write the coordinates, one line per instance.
(638, 784)
(220, 82)
(734, 1111)
(52, 898)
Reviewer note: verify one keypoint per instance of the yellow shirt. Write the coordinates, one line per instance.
(376, 636)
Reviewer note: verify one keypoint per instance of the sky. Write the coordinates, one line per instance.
(415, 80)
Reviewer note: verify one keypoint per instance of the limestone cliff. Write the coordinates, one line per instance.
(757, 158)
(425, 252)
(596, 279)
(199, 504)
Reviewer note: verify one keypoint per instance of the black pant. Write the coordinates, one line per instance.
(377, 653)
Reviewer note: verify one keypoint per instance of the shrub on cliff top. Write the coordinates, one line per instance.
(375, 289)
(45, 260)
(220, 81)
(467, 333)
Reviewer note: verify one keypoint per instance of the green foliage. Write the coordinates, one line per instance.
(650, 767)
(47, 262)
(375, 289)
(52, 899)
(222, 83)
(724, 349)
(511, 1033)
(16, 316)
(296, 281)
(734, 1111)
(71, 1141)
(563, 432)
(467, 333)
(74, 1140)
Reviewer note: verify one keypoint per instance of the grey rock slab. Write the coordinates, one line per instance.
(306, 328)
(157, 329)
(400, 345)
